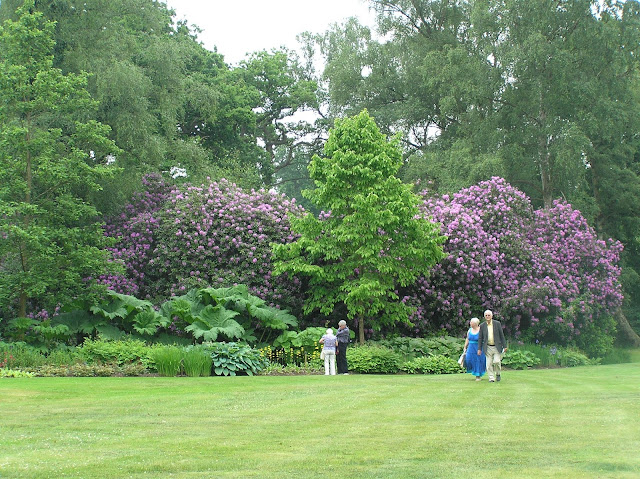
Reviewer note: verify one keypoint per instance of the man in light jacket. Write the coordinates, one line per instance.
(491, 342)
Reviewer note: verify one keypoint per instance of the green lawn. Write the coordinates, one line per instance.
(562, 423)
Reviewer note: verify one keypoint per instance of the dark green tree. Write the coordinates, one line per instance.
(53, 154)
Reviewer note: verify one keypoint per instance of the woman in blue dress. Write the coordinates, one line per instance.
(476, 365)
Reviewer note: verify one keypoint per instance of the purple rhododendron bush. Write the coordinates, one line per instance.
(544, 273)
(176, 239)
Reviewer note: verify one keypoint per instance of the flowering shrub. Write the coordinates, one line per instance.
(136, 230)
(544, 272)
(173, 240)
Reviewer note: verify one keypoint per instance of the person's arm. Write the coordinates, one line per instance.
(480, 342)
(466, 343)
(504, 342)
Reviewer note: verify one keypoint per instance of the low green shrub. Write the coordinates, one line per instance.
(168, 360)
(12, 373)
(119, 352)
(20, 356)
(410, 348)
(230, 359)
(437, 364)
(373, 359)
(548, 355)
(62, 357)
(133, 369)
(90, 370)
(196, 362)
(570, 358)
(520, 359)
(313, 367)
(80, 370)
(617, 356)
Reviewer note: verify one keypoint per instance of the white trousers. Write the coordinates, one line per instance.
(494, 364)
(330, 363)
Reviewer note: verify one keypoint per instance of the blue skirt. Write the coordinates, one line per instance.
(476, 365)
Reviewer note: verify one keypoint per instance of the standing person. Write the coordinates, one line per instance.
(329, 342)
(475, 363)
(492, 343)
(343, 344)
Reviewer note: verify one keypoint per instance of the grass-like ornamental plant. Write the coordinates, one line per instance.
(373, 359)
(196, 362)
(437, 364)
(168, 360)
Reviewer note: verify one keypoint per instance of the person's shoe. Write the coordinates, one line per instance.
(478, 379)
(491, 380)
(345, 374)
(498, 377)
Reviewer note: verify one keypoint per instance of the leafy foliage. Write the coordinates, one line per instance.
(411, 348)
(231, 359)
(520, 359)
(115, 352)
(371, 359)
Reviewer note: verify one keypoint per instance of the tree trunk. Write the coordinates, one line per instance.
(544, 160)
(361, 329)
(626, 334)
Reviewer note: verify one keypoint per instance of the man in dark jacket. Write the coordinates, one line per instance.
(343, 344)
(491, 342)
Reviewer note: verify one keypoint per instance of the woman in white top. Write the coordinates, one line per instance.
(329, 341)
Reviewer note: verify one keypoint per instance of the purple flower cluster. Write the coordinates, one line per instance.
(173, 240)
(136, 228)
(544, 272)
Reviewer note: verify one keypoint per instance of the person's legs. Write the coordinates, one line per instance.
(332, 364)
(491, 351)
(342, 359)
(326, 364)
(497, 364)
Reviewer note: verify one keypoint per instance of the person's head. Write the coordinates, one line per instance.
(474, 322)
(329, 332)
(488, 315)
(342, 324)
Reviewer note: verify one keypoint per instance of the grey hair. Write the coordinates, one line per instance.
(342, 322)
(330, 332)
(474, 320)
(489, 311)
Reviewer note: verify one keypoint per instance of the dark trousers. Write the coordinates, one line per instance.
(343, 367)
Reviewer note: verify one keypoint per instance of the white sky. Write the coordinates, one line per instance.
(245, 26)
